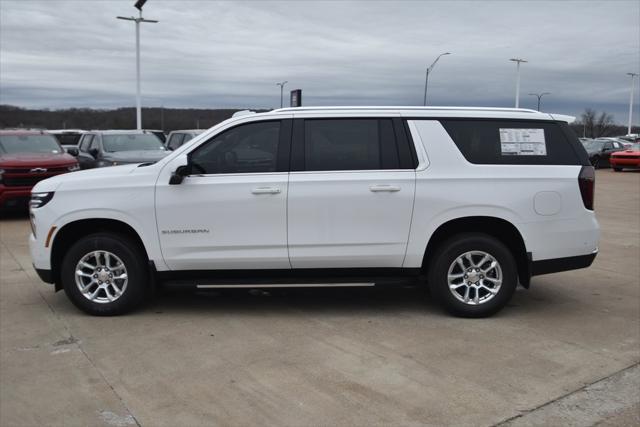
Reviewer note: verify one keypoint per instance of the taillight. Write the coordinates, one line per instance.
(587, 184)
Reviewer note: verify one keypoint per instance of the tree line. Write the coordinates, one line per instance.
(591, 124)
(166, 119)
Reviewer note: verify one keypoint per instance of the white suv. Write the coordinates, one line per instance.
(470, 201)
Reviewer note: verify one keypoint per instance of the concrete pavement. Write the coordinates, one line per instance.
(332, 356)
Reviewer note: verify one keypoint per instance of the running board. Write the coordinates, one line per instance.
(285, 285)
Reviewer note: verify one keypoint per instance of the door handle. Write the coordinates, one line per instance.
(382, 187)
(265, 190)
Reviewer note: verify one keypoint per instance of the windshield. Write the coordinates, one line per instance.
(12, 144)
(131, 142)
(593, 144)
(634, 147)
(68, 138)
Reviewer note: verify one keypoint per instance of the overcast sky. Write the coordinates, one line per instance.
(231, 54)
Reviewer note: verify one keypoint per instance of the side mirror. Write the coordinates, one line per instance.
(181, 171)
(73, 151)
(94, 152)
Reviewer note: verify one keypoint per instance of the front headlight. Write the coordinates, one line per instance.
(73, 168)
(38, 200)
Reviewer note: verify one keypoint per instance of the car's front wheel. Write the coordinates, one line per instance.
(104, 274)
(473, 275)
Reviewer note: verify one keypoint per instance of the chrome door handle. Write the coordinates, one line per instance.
(381, 187)
(265, 190)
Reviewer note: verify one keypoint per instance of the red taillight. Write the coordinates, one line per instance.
(587, 184)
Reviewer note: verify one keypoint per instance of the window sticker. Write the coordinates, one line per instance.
(522, 142)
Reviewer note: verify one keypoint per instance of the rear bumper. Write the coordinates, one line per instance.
(557, 265)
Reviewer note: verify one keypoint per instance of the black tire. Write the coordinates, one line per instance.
(449, 251)
(617, 169)
(595, 162)
(131, 256)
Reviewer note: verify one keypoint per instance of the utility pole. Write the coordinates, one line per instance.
(518, 61)
(633, 79)
(540, 95)
(426, 80)
(138, 20)
(281, 84)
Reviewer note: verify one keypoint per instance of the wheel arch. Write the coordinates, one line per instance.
(499, 228)
(72, 231)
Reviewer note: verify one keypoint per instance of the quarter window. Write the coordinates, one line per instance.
(247, 148)
(511, 142)
(349, 144)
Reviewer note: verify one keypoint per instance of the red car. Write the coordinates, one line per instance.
(627, 159)
(26, 157)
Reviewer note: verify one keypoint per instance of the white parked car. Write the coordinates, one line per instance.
(179, 137)
(471, 201)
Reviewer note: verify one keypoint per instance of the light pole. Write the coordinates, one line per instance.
(138, 20)
(281, 84)
(518, 61)
(633, 79)
(540, 95)
(426, 80)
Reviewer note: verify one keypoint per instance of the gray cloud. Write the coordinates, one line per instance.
(230, 54)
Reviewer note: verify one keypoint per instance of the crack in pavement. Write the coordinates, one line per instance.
(574, 394)
(72, 340)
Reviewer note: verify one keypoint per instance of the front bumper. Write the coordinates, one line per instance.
(14, 197)
(621, 162)
(45, 275)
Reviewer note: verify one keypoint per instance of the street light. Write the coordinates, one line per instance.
(138, 20)
(426, 80)
(540, 95)
(518, 61)
(281, 84)
(633, 78)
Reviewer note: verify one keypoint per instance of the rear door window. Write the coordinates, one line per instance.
(519, 142)
(349, 144)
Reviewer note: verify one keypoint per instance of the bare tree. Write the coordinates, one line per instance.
(597, 125)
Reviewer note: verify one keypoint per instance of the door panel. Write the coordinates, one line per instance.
(227, 221)
(231, 211)
(349, 219)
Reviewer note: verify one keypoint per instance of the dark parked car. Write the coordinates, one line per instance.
(113, 147)
(68, 138)
(599, 151)
(178, 137)
(159, 133)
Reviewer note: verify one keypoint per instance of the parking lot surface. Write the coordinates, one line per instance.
(333, 357)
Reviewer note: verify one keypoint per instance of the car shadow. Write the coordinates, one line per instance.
(346, 301)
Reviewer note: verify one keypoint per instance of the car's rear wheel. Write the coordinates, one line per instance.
(104, 274)
(473, 275)
(617, 169)
(595, 162)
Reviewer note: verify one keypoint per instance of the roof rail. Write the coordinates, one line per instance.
(243, 113)
(346, 108)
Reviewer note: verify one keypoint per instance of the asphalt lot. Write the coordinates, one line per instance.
(565, 352)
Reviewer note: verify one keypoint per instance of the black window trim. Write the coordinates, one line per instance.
(407, 156)
(282, 155)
